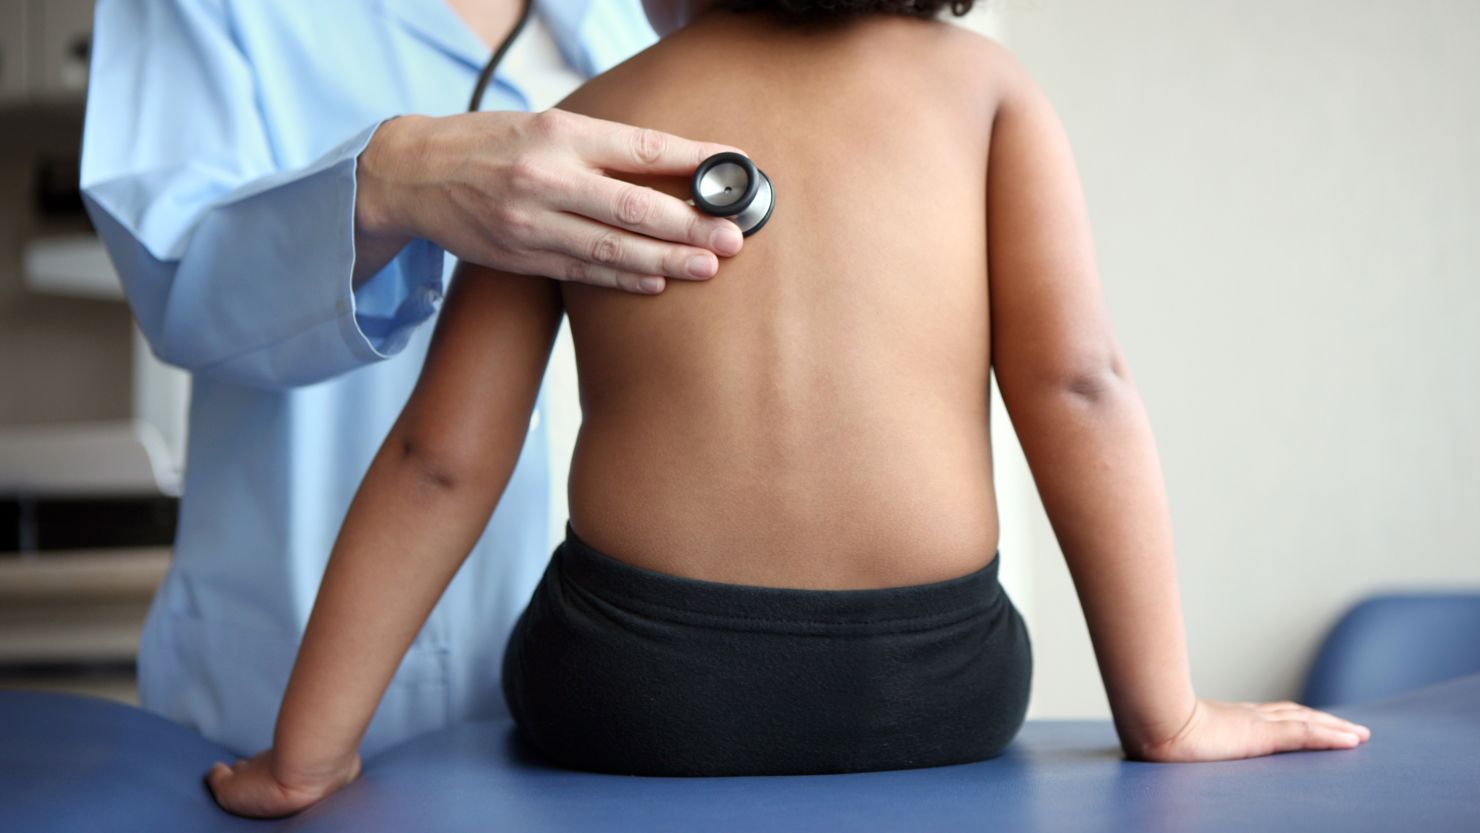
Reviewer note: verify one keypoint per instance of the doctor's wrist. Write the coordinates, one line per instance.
(381, 229)
(384, 169)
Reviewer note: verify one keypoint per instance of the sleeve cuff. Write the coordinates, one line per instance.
(386, 309)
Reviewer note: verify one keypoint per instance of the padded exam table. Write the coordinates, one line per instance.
(79, 764)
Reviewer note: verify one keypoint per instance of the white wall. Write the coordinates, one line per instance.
(1286, 199)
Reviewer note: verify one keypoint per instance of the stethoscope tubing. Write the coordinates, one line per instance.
(486, 75)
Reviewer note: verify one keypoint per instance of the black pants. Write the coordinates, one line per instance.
(616, 668)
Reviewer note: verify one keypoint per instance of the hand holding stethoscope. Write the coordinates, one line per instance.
(726, 184)
(529, 194)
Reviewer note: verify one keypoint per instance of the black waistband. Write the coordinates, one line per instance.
(623, 584)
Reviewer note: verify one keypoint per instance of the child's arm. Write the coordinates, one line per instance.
(1089, 446)
(422, 506)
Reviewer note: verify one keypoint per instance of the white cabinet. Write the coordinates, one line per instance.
(45, 46)
(78, 266)
(14, 62)
(61, 42)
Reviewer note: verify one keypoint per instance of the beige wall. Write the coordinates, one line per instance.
(1286, 199)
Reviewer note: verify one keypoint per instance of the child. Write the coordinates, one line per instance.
(781, 551)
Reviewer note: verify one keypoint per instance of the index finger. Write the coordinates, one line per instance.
(641, 150)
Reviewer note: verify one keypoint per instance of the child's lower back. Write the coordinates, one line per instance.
(815, 416)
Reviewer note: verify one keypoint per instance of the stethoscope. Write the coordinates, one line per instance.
(724, 185)
(730, 185)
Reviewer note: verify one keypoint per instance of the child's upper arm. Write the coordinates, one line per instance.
(1050, 328)
(470, 411)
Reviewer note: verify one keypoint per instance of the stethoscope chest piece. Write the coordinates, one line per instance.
(730, 185)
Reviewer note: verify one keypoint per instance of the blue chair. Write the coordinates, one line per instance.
(1390, 644)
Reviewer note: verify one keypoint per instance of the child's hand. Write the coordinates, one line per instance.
(1225, 731)
(261, 788)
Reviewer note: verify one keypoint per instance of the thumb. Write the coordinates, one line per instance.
(217, 780)
(236, 791)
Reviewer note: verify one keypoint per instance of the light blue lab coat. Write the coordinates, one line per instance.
(218, 166)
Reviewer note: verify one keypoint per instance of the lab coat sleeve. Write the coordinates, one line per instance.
(232, 265)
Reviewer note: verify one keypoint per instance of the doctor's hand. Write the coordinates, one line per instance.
(527, 193)
(261, 787)
(1225, 731)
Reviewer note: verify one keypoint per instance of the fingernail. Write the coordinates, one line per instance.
(650, 284)
(727, 240)
(1351, 738)
(703, 266)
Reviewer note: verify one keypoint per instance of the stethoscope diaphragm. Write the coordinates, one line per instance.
(730, 185)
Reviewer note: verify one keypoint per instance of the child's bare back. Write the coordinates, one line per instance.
(813, 419)
(816, 414)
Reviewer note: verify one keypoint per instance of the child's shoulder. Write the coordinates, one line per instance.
(976, 62)
(940, 49)
(952, 66)
(955, 44)
(956, 62)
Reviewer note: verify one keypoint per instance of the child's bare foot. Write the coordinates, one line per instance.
(1219, 731)
(257, 787)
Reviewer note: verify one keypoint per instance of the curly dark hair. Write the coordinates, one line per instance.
(817, 10)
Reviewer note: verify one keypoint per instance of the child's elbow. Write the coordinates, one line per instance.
(441, 465)
(1091, 381)
(1093, 384)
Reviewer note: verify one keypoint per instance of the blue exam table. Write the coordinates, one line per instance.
(79, 764)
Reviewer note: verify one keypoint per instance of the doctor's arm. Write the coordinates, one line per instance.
(233, 266)
(418, 513)
(1089, 445)
(238, 267)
